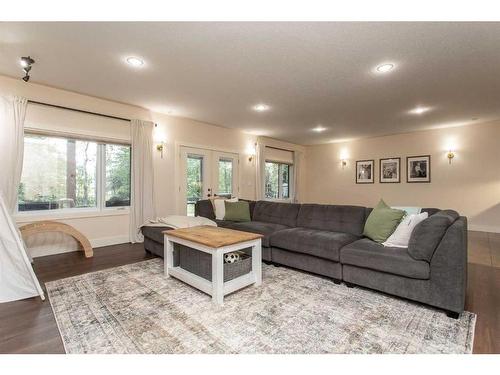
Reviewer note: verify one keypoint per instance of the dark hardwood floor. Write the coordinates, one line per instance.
(28, 326)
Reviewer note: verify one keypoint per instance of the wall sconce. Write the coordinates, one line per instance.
(450, 155)
(344, 155)
(159, 147)
(251, 152)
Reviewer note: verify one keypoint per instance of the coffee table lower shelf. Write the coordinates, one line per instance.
(206, 286)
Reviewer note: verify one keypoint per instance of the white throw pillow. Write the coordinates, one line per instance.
(401, 236)
(220, 207)
(409, 210)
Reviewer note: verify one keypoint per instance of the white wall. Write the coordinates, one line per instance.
(470, 184)
(113, 227)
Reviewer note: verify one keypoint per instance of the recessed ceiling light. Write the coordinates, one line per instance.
(385, 68)
(261, 107)
(419, 110)
(319, 129)
(136, 62)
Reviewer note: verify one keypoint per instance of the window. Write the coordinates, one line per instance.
(225, 177)
(194, 182)
(62, 173)
(277, 180)
(117, 175)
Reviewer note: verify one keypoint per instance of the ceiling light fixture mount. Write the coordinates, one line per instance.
(385, 67)
(134, 61)
(26, 63)
(261, 107)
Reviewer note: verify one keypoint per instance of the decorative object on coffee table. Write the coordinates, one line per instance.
(216, 242)
(418, 168)
(365, 171)
(390, 170)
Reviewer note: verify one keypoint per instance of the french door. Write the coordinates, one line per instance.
(204, 174)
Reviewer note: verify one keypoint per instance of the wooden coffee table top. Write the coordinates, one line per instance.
(214, 237)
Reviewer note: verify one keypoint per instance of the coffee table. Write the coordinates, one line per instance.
(217, 242)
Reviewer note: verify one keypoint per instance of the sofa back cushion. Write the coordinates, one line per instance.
(427, 235)
(346, 219)
(276, 213)
(204, 208)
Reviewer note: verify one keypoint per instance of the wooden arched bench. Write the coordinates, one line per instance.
(55, 226)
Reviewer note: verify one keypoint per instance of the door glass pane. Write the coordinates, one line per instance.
(194, 183)
(285, 180)
(57, 173)
(225, 177)
(117, 175)
(272, 185)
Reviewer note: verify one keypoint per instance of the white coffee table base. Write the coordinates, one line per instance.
(217, 288)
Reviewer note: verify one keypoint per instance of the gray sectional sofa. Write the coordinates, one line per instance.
(328, 240)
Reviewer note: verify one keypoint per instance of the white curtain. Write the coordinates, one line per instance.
(260, 170)
(17, 279)
(295, 176)
(12, 114)
(142, 194)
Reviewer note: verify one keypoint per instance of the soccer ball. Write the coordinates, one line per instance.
(231, 257)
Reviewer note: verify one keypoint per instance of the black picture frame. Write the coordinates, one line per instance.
(411, 178)
(363, 181)
(382, 179)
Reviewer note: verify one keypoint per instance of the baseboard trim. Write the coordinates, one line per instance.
(484, 228)
(108, 241)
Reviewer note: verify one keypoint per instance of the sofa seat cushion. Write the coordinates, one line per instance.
(319, 243)
(372, 255)
(266, 229)
(154, 233)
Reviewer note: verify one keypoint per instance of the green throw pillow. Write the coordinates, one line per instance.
(382, 222)
(237, 211)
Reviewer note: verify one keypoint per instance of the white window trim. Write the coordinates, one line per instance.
(83, 212)
(68, 213)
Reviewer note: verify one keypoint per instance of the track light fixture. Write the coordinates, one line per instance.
(26, 63)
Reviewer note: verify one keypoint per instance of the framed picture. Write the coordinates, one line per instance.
(418, 168)
(364, 171)
(390, 171)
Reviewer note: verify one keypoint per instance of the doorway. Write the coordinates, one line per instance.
(205, 174)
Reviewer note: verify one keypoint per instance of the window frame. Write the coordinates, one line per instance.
(80, 212)
(280, 182)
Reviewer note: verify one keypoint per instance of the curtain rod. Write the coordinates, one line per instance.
(79, 110)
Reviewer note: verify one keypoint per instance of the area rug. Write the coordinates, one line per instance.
(135, 309)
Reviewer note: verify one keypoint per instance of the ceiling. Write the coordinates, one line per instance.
(310, 74)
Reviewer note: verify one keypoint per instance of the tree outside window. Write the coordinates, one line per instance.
(277, 183)
(61, 173)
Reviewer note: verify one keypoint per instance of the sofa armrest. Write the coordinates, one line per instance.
(448, 267)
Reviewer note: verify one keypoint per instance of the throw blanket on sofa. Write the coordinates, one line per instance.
(179, 221)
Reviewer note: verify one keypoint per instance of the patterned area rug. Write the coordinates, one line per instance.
(135, 309)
